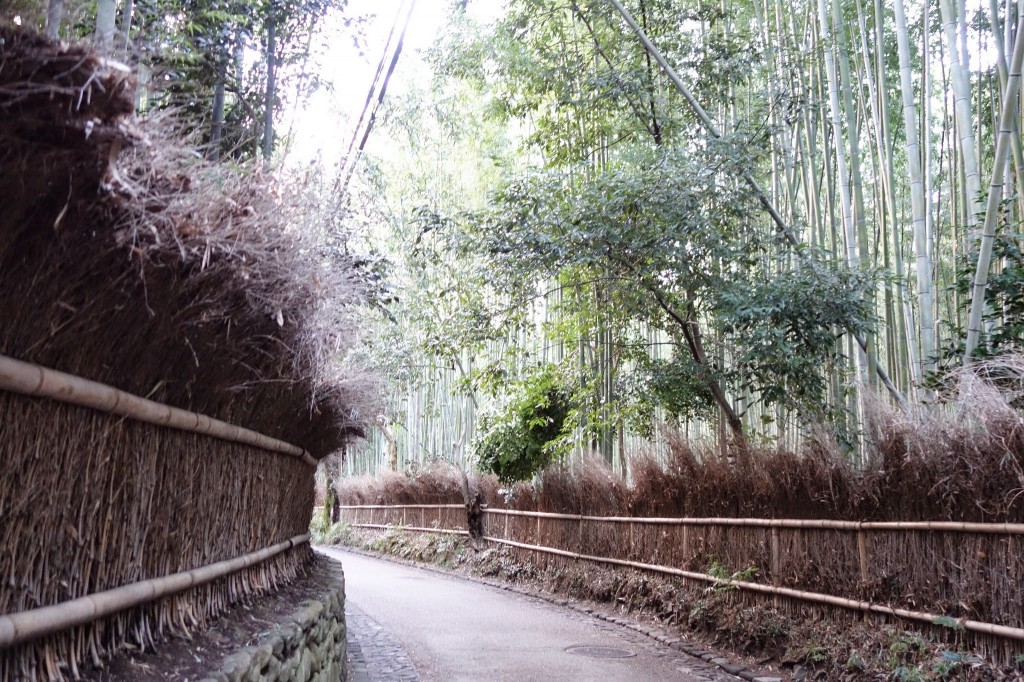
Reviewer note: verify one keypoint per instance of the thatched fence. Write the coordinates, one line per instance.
(166, 384)
(967, 576)
(126, 519)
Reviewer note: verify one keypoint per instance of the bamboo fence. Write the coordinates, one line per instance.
(17, 628)
(918, 571)
(107, 274)
(124, 520)
(27, 379)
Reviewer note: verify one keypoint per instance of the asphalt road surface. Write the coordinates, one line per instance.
(411, 624)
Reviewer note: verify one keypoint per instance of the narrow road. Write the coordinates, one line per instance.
(411, 624)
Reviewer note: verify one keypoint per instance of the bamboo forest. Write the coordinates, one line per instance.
(511, 340)
(744, 221)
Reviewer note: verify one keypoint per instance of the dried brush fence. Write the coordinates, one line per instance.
(127, 261)
(123, 519)
(966, 576)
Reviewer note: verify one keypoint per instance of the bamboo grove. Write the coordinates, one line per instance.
(567, 212)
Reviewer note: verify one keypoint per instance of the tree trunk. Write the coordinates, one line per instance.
(964, 117)
(691, 332)
(268, 114)
(54, 14)
(1015, 145)
(126, 24)
(217, 123)
(392, 442)
(106, 17)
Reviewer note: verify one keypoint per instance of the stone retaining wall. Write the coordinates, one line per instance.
(307, 645)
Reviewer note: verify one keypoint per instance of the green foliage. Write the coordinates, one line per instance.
(577, 73)
(323, 532)
(1003, 316)
(670, 240)
(678, 385)
(952, 663)
(785, 332)
(949, 622)
(190, 47)
(524, 438)
(908, 674)
(723, 577)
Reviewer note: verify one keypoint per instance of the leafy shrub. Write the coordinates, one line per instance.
(524, 438)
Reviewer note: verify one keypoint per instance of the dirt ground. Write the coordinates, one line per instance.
(186, 659)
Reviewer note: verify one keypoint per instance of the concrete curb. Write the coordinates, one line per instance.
(727, 666)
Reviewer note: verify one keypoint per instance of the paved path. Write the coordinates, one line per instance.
(409, 624)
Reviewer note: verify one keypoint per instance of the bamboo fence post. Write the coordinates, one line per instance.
(862, 553)
(580, 543)
(506, 527)
(404, 522)
(423, 517)
(686, 544)
(538, 530)
(776, 563)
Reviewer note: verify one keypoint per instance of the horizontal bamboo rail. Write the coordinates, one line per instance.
(815, 597)
(403, 506)
(824, 524)
(16, 628)
(40, 382)
(442, 531)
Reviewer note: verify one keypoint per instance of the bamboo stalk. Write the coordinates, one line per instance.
(995, 195)
(26, 379)
(16, 628)
(776, 560)
(814, 597)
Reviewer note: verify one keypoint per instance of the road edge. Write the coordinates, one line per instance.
(726, 665)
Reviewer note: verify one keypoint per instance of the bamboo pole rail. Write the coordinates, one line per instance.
(814, 597)
(16, 628)
(823, 524)
(442, 531)
(403, 506)
(34, 381)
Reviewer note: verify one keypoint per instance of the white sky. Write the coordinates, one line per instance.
(325, 122)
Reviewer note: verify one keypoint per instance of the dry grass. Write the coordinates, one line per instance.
(436, 483)
(116, 241)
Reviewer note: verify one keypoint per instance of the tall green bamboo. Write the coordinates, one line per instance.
(923, 265)
(962, 106)
(995, 195)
